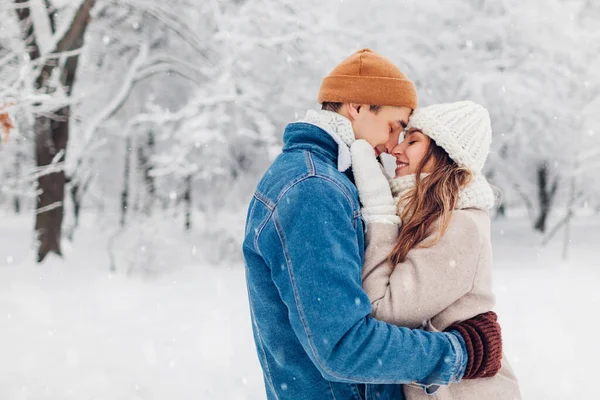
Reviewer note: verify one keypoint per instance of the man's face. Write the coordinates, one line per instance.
(377, 128)
(388, 146)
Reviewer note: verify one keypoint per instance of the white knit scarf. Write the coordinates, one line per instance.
(477, 194)
(339, 128)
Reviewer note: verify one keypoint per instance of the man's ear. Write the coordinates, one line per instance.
(353, 110)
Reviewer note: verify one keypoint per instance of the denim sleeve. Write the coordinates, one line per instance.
(316, 264)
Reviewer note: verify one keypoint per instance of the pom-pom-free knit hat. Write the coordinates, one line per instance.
(463, 129)
(368, 78)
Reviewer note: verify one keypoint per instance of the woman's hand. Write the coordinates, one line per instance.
(372, 184)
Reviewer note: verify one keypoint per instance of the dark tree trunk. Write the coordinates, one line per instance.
(144, 153)
(546, 194)
(51, 138)
(17, 205)
(77, 190)
(76, 199)
(126, 177)
(16, 197)
(187, 202)
(52, 135)
(150, 181)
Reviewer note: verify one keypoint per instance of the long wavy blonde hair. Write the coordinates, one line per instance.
(433, 197)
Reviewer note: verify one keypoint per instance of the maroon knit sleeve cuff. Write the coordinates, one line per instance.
(483, 338)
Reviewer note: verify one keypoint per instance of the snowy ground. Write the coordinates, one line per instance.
(72, 330)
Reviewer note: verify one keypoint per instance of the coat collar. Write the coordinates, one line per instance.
(339, 128)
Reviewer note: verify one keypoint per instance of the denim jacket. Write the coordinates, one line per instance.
(303, 250)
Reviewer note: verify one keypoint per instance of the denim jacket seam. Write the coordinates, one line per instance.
(260, 229)
(286, 189)
(355, 208)
(355, 212)
(282, 239)
(291, 185)
(260, 342)
(331, 389)
(342, 189)
(250, 213)
(312, 172)
(309, 336)
(311, 164)
(263, 199)
(357, 391)
(358, 215)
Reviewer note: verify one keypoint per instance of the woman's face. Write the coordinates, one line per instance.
(410, 152)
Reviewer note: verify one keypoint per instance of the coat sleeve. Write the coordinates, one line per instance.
(428, 280)
(316, 261)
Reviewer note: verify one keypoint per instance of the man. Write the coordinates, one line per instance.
(304, 247)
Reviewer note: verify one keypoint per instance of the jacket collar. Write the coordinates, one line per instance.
(306, 136)
(324, 132)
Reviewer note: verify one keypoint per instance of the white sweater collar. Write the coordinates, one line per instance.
(339, 128)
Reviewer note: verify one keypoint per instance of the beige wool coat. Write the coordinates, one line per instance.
(435, 287)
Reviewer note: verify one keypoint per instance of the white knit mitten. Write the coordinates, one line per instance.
(372, 184)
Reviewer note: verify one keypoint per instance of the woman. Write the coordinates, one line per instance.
(428, 257)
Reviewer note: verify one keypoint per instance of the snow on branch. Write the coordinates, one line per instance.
(7, 58)
(162, 12)
(49, 207)
(172, 60)
(165, 68)
(42, 25)
(119, 98)
(189, 111)
(46, 170)
(37, 104)
(264, 41)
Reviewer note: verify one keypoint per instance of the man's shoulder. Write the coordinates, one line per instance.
(303, 171)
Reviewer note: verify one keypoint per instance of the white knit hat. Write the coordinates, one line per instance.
(463, 129)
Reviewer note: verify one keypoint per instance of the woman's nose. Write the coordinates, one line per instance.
(397, 150)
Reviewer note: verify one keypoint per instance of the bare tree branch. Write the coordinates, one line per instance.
(166, 68)
(51, 15)
(170, 19)
(112, 107)
(27, 29)
(187, 112)
(72, 39)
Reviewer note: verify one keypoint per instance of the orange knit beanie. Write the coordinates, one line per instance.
(368, 78)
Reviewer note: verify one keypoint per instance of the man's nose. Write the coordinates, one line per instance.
(389, 147)
(390, 144)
